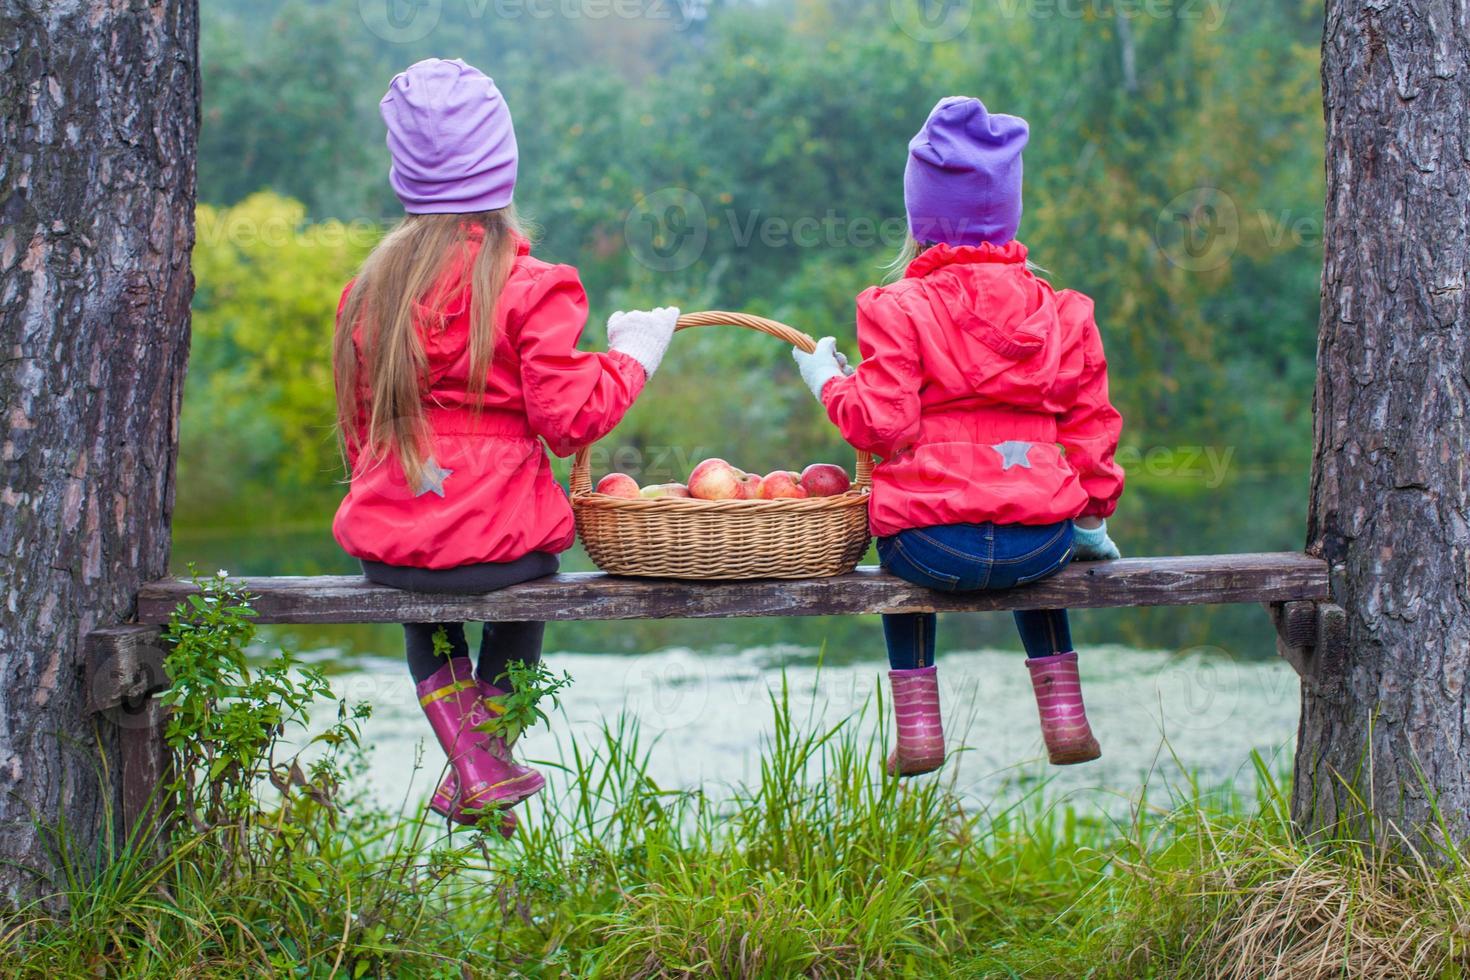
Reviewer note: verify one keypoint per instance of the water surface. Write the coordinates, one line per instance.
(1170, 690)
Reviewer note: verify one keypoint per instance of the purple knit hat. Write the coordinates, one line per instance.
(451, 138)
(962, 185)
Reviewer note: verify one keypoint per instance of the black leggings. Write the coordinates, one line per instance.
(500, 643)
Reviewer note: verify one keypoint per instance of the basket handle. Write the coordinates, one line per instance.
(581, 481)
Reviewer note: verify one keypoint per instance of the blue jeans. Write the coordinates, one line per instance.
(975, 558)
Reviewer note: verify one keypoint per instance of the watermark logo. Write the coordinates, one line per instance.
(1200, 688)
(667, 230)
(668, 693)
(1198, 230)
(121, 686)
(400, 21)
(932, 21)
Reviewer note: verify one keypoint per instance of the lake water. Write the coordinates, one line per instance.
(1159, 716)
(1170, 691)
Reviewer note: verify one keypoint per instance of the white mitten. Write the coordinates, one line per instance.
(642, 334)
(821, 365)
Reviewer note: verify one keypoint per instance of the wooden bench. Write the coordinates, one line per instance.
(1192, 580)
(125, 663)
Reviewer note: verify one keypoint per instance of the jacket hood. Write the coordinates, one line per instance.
(985, 393)
(1005, 333)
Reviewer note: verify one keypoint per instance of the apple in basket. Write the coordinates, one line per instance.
(715, 479)
(665, 490)
(750, 484)
(781, 484)
(825, 480)
(618, 485)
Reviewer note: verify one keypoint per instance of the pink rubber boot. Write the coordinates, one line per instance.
(916, 717)
(442, 802)
(1063, 718)
(481, 778)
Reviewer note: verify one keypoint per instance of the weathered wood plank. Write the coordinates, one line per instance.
(124, 664)
(1188, 580)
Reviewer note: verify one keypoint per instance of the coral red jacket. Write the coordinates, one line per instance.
(499, 499)
(986, 393)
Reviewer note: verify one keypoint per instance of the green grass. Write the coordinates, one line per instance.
(822, 867)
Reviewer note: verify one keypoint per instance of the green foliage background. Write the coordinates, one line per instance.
(1174, 173)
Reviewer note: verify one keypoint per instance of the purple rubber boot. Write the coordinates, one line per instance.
(482, 778)
(1063, 718)
(916, 717)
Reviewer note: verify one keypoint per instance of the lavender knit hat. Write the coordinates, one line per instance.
(962, 185)
(451, 139)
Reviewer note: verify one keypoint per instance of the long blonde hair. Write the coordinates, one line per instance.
(408, 263)
(907, 252)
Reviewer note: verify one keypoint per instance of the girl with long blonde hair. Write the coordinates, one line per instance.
(456, 365)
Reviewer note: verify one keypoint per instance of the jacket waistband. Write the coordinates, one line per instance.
(987, 424)
(488, 422)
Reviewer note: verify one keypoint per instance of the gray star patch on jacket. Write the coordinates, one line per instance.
(1013, 453)
(433, 478)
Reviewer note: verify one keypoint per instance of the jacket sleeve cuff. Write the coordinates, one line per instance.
(827, 390)
(631, 369)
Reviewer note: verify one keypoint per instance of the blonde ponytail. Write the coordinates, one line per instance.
(378, 360)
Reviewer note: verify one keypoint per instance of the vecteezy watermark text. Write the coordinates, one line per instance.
(669, 229)
(407, 21)
(937, 21)
(1208, 464)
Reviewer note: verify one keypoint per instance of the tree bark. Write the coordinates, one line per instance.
(1386, 717)
(99, 118)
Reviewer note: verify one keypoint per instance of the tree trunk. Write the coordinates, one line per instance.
(99, 118)
(1386, 718)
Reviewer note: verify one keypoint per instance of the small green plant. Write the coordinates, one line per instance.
(228, 718)
(520, 707)
(531, 686)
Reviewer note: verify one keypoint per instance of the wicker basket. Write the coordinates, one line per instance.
(675, 537)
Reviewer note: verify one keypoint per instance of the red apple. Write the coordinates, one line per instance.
(618, 485)
(665, 490)
(715, 479)
(825, 480)
(750, 484)
(780, 484)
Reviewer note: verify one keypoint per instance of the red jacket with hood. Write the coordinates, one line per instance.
(499, 499)
(986, 393)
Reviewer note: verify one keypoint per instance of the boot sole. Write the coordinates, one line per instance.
(471, 818)
(507, 793)
(914, 766)
(1071, 756)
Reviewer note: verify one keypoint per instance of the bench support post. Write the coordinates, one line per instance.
(145, 768)
(124, 672)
